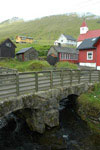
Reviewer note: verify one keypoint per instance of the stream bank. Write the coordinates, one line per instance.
(89, 108)
(73, 133)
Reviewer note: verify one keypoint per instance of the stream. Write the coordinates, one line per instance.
(72, 134)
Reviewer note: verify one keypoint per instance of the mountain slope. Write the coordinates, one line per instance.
(48, 28)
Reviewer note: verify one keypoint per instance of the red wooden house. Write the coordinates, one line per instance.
(89, 53)
(58, 53)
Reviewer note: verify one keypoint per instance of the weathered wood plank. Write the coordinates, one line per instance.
(27, 92)
(26, 80)
(44, 82)
(4, 88)
(36, 81)
(8, 92)
(26, 84)
(45, 85)
(26, 88)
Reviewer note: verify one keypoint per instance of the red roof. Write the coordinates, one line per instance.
(84, 24)
(89, 34)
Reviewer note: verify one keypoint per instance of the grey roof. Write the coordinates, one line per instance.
(69, 37)
(25, 37)
(88, 43)
(65, 49)
(23, 50)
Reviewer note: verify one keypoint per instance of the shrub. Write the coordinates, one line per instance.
(66, 65)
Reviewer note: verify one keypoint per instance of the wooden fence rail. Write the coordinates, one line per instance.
(7, 70)
(16, 84)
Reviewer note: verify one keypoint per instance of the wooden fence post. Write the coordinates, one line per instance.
(70, 77)
(51, 79)
(61, 76)
(89, 76)
(36, 81)
(79, 76)
(99, 76)
(17, 83)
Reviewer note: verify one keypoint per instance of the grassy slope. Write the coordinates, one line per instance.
(33, 65)
(47, 29)
(89, 104)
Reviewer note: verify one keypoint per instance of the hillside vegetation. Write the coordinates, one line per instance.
(47, 29)
(89, 107)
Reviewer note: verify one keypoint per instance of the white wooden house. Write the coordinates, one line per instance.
(65, 40)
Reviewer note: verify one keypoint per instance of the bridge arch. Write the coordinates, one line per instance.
(44, 105)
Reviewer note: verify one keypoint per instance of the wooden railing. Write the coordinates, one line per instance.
(7, 70)
(23, 83)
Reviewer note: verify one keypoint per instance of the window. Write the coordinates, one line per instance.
(8, 44)
(63, 56)
(89, 55)
(23, 38)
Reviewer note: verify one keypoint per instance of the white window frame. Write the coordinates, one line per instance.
(91, 57)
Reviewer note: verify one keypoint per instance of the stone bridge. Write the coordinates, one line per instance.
(41, 109)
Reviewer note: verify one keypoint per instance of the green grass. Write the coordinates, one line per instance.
(91, 99)
(66, 65)
(32, 65)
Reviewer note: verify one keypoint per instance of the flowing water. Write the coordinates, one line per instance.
(72, 134)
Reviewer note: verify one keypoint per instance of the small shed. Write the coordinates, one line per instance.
(58, 53)
(26, 54)
(7, 48)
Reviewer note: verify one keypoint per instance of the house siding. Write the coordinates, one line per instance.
(30, 55)
(83, 56)
(98, 55)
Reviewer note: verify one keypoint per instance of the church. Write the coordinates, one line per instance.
(85, 33)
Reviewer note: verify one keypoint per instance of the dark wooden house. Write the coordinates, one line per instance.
(7, 49)
(58, 53)
(26, 54)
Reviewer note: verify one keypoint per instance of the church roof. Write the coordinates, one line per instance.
(89, 34)
(84, 24)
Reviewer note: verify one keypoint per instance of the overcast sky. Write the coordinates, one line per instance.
(31, 9)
